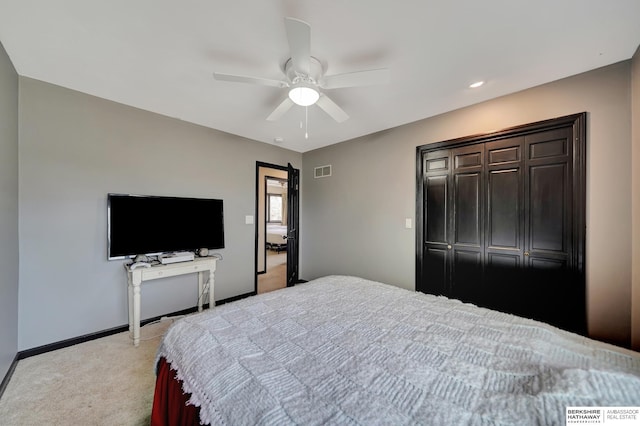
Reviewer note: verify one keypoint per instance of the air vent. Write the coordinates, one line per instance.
(322, 171)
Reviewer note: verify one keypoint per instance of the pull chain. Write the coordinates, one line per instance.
(306, 119)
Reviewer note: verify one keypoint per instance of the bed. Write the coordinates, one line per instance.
(276, 237)
(347, 350)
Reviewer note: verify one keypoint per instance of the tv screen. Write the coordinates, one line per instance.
(151, 225)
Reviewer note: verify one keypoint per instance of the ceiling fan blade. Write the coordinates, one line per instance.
(280, 109)
(357, 78)
(332, 108)
(299, 36)
(247, 79)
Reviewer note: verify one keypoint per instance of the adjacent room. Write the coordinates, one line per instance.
(406, 213)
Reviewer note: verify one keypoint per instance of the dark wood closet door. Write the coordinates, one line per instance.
(504, 225)
(501, 220)
(551, 284)
(453, 230)
(436, 193)
(467, 222)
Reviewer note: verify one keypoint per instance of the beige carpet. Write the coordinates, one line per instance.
(106, 381)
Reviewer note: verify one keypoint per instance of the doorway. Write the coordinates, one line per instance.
(276, 230)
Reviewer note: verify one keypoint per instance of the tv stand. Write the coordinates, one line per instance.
(203, 266)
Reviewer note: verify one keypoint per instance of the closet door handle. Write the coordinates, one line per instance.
(526, 253)
(449, 246)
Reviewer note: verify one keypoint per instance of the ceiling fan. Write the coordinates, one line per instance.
(305, 77)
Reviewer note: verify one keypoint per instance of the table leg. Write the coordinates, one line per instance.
(130, 291)
(200, 290)
(212, 301)
(136, 312)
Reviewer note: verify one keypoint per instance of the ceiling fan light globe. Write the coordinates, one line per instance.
(304, 95)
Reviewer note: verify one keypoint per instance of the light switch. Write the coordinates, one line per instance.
(248, 219)
(407, 223)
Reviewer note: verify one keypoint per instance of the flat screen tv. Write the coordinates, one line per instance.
(152, 225)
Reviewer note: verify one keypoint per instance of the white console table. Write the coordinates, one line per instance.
(203, 266)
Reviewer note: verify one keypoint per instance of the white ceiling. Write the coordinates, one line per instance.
(159, 55)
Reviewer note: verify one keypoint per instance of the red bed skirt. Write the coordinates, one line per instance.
(170, 406)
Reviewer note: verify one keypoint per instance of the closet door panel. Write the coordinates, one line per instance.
(504, 152)
(548, 189)
(436, 223)
(503, 283)
(466, 275)
(467, 244)
(543, 264)
(550, 144)
(436, 271)
(504, 215)
(504, 224)
(556, 292)
(467, 209)
(468, 232)
(548, 207)
(505, 202)
(436, 193)
(504, 261)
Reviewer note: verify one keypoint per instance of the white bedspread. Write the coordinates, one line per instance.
(344, 350)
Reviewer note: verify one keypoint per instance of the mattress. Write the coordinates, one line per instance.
(346, 350)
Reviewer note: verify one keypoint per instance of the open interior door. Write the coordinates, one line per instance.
(292, 225)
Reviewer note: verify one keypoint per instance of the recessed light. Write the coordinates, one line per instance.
(476, 84)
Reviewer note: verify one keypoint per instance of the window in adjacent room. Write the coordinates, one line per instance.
(274, 207)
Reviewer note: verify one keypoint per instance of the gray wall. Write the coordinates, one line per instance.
(635, 191)
(8, 213)
(353, 222)
(74, 149)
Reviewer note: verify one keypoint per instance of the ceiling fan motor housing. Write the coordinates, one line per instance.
(315, 72)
